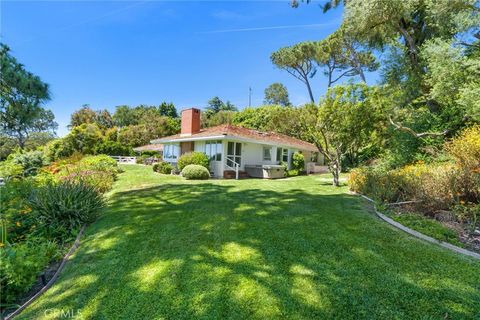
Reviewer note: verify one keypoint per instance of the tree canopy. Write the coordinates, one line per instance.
(298, 61)
(21, 99)
(277, 93)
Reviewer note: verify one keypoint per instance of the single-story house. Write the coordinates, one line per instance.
(233, 150)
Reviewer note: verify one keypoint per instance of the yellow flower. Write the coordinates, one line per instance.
(462, 202)
(2, 244)
(18, 224)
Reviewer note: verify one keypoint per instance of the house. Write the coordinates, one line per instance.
(235, 150)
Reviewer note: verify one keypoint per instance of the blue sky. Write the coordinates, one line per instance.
(120, 52)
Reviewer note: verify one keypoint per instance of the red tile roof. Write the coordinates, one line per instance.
(240, 132)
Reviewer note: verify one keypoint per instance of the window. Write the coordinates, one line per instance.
(170, 151)
(285, 155)
(314, 157)
(282, 155)
(267, 153)
(213, 150)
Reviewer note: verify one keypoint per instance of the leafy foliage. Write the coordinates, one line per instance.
(102, 118)
(298, 61)
(195, 172)
(197, 158)
(298, 162)
(113, 148)
(22, 94)
(64, 207)
(163, 167)
(31, 161)
(349, 119)
(277, 93)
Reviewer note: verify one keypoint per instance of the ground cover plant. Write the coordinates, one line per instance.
(448, 191)
(291, 248)
(42, 210)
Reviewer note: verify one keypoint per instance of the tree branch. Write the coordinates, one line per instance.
(400, 127)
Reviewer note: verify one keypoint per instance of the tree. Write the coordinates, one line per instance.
(409, 25)
(298, 61)
(168, 110)
(83, 138)
(342, 55)
(84, 115)
(215, 119)
(103, 119)
(124, 116)
(141, 134)
(277, 93)
(21, 96)
(345, 122)
(216, 104)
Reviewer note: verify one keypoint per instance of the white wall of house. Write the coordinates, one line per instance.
(252, 154)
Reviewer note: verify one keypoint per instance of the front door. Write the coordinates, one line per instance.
(234, 154)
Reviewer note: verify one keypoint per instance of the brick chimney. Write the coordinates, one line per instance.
(190, 121)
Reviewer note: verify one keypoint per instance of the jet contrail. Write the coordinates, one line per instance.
(271, 28)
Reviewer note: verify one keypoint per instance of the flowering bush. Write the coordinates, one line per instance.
(465, 150)
(96, 171)
(41, 213)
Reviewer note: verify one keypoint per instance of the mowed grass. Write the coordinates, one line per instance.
(296, 248)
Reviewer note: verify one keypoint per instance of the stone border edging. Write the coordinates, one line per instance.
(52, 280)
(418, 234)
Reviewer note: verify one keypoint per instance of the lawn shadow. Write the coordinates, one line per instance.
(214, 250)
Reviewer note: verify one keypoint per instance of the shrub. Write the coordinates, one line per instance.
(59, 148)
(195, 172)
(30, 161)
(150, 153)
(99, 163)
(298, 162)
(465, 150)
(292, 173)
(101, 181)
(468, 213)
(21, 264)
(113, 148)
(198, 158)
(8, 169)
(432, 186)
(163, 167)
(141, 159)
(16, 217)
(64, 207)
(98, 171)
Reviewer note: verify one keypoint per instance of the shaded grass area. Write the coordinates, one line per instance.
(295, 248)
(429, 227)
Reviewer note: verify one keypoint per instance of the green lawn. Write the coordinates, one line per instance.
(296, 248)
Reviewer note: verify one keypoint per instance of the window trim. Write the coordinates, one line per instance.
(216, 150)
(269, 149)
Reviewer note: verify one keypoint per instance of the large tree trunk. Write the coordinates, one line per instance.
(310, 93)
(335, 169)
